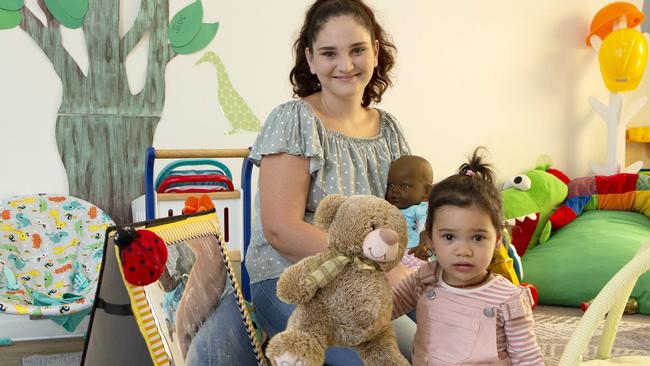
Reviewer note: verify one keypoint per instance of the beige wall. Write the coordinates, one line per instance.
(511, 75)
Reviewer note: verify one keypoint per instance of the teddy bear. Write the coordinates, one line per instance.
(343, 297)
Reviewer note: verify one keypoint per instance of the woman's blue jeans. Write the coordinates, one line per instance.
(223, 340)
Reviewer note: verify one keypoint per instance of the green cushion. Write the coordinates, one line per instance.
(579, 259)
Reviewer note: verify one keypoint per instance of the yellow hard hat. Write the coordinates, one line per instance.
(622, 58)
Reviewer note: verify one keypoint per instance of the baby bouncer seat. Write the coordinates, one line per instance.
(609, 303)
(51, 249)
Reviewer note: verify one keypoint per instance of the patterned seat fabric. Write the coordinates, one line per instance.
(51, 250)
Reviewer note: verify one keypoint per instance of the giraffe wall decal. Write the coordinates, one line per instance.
(234, 107)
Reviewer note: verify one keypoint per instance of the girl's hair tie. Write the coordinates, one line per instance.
(469, 173)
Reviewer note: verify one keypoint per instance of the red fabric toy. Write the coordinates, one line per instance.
(533, 292)
(143, 255)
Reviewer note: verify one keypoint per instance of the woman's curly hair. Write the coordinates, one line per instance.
(305, 83)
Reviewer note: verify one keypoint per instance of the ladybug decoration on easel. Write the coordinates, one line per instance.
(143, 255)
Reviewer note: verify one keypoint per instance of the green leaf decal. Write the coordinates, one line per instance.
(9, 18)
(75, 8)
(11, 4)
(186, 24)
(62, 16)
(205, 35)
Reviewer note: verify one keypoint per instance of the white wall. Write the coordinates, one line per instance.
(30, 96)
(511, 75)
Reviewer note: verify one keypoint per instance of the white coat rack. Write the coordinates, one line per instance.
(616, 122)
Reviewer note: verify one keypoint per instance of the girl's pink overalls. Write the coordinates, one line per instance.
(459, 330)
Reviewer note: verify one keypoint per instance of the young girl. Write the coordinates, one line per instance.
(465, 314)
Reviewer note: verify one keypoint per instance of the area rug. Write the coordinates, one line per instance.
(62, 359)
(554, 331)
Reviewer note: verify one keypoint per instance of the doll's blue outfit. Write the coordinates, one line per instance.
(415, 216)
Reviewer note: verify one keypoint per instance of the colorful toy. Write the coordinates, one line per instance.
(171, 310)
(631, 307)
(504, 264)
(194, 204)
(528, 201)
(343, 297)
(597, 237)
(143, 255)
(533, 292)
(622, 192)
(622, 59)
(638, 134)
(516, 262)
(602, 23)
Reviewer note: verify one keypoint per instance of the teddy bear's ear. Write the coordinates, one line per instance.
(327, 209)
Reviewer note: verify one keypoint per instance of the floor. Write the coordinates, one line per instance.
(555, 326)
(12, 355)
(567, 311)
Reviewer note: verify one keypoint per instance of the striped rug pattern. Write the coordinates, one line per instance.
(554, 331)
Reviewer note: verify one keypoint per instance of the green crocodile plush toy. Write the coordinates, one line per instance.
(528, 201)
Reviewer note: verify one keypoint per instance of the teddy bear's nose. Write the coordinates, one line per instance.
(389, 236)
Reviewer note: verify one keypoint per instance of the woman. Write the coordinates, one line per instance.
(328, 141)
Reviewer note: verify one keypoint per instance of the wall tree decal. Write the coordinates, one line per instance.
(102, 130)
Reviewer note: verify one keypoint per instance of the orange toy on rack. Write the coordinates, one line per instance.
(194, 204)
(602, 23)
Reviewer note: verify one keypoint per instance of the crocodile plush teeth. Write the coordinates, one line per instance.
(522, 218)
(513, 221)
